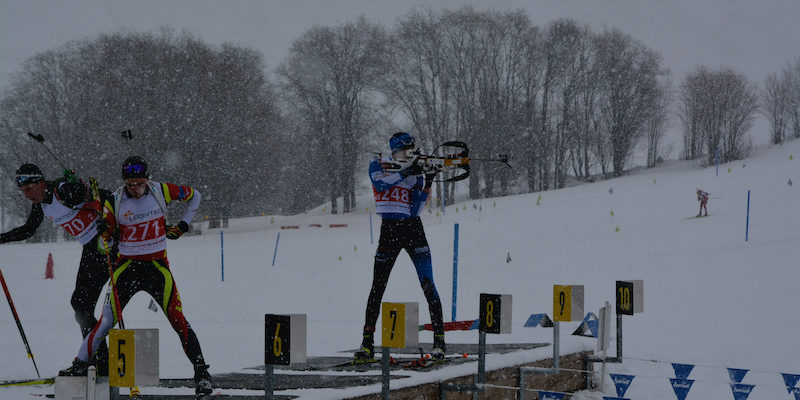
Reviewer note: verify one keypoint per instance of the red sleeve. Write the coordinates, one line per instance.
(174, 192)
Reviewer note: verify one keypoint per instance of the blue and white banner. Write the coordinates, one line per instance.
(741, 391)
(681, 387)
(790, 380)
(795, 392)
(737, 374)
(550, 395)
(682, 371)
(622, 382)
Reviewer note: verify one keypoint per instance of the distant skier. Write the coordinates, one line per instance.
(137, 217)
(399, 197)
(68, 204)
(702, 197)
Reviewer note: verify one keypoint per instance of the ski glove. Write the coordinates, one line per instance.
(177, 230)
(102, 226)
(106, 248)
(429, 180)
(70, 176)
(414, 169)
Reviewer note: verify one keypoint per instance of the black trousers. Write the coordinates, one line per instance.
(155, 278)
(396, 235)
(89, 283)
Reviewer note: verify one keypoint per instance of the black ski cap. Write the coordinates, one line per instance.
(135, 167)
(28, 173)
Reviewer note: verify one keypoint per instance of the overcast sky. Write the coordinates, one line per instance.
(755, 37)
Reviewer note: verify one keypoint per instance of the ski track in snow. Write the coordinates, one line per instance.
(711, 298)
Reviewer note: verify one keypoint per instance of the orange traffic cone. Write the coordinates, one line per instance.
(48, 271)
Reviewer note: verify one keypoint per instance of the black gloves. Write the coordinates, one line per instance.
(70, 176)
(177, 230)
(415, 168)
(429, 179)
(102, 226)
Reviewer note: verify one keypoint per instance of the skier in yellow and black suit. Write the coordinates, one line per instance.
(138, 218)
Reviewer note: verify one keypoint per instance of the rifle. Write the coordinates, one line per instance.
(452, 155)
(104, 240)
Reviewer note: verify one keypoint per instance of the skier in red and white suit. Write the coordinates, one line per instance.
(68, 204)
(702, 197)
(138, 219)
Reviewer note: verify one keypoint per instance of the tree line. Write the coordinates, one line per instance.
(563, 101)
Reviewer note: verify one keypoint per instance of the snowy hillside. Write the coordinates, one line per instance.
(711, 299)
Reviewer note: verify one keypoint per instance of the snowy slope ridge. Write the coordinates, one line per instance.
(711, 299)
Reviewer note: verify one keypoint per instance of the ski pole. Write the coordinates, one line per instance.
(39, 138)
(19, 323)
(68, 172)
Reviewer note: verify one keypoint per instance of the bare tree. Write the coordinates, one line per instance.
(718, 107)
(569, 47)
(418, 80)
(791, 77)
(688, 110)
(586, 123)
(191, 108)
(629, 73)
(466, 54)
(656, 123)
(501, 95)
(775, 106)
(329, 73)
(531, 82)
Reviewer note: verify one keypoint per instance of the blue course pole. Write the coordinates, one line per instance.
(455, 272)
(275, 254)
(747, 224)
(221, 257)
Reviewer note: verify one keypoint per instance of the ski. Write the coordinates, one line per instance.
(426, 361)
(423, 363)
(28, 382)
(354, 362)
(453, 326)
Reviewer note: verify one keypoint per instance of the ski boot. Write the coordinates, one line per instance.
(78, 368)
(202, 380)
(366, 353)
(439, 348)
(100, 360)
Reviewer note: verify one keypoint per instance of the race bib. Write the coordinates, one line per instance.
(143, 232)
(396, 194)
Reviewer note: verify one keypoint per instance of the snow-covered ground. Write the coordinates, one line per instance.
(710, 299)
